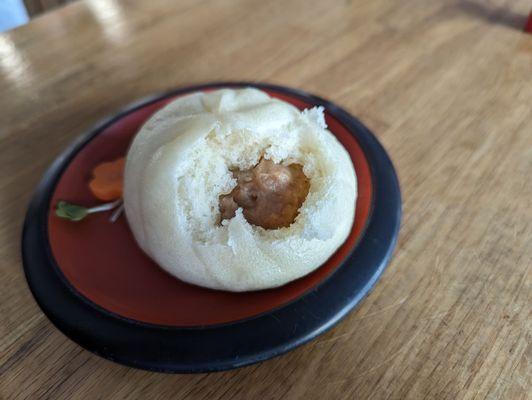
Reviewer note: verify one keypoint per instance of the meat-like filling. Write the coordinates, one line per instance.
(270, 194)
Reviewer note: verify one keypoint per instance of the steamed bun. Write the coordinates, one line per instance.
(180, 163)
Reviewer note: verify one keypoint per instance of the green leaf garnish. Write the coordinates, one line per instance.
(69, 211)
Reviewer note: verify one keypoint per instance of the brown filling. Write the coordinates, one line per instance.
(270, 194)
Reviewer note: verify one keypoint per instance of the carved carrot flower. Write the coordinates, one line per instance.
(108, 180)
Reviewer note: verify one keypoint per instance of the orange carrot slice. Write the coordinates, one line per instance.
(108, 180)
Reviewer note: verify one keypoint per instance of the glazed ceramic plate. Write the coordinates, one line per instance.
(97, 286)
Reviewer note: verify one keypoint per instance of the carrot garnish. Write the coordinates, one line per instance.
(108, 180)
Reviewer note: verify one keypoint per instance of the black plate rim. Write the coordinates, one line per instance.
(224, 346)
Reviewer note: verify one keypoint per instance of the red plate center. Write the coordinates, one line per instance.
(104, 264)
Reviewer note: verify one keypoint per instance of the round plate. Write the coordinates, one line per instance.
(97, 286)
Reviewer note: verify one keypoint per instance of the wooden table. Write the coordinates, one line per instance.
(445, 85)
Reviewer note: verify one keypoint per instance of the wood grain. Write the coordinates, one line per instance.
(446, 86)
(36, 7)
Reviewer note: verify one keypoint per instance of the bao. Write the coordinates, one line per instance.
(183, 169)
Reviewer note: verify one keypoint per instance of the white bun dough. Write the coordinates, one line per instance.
(179, 164)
